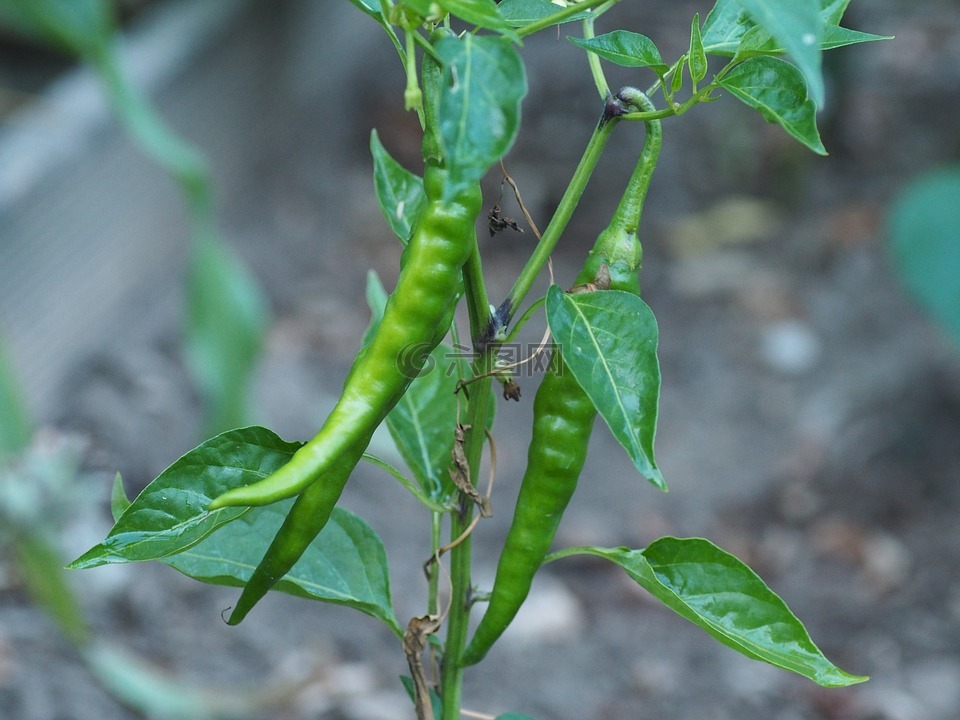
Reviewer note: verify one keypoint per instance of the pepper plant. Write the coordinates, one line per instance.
(208, 513)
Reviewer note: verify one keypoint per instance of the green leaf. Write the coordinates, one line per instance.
(41, 569)
(717, 592)
(625, 48)
(119, 502)
(922, 241)
(728, 23)
(15, 426)
(609, 342)
(345, 565)
(377, 301)
(171, 515)
(797, 26)
(483, 85)
(834, 37)
(226, 322)
(483, 13)
(520, 13)
(725, 25)
(775, 88)
(696, 56)
(399, 192)
(757, 41)
(421, 423)
(82, 27)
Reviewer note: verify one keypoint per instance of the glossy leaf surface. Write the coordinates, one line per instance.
(717, 592)
(171, 515)
(776, 90)
(477, 124)
(609, 343)
(625, 48)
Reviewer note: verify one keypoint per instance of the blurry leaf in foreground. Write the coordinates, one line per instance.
(923, 238)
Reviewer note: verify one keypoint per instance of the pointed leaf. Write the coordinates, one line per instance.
(520, 13)
(724, 27)
(345, 565)
(775, 88)
(625, 48)
(728, 23)
(609, 343)
(119, 502)
(399, 192)
(717, 592)
(797, 26)
(171, 515)
(479, 107)
(834, 37)
(696, 56)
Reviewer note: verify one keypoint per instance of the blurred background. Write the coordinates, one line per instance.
(810, 352)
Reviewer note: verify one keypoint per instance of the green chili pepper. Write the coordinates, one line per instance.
(563, 417)
(306, 518)
(413, 324)
(415, 320)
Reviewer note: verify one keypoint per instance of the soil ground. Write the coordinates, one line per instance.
(810, 413)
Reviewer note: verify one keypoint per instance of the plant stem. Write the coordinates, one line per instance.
(593, 60)
(560, 16)
(562, 215)
(451, 674)
(626, 218)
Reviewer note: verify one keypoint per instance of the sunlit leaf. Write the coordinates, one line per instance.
(717, 592)
(171, 515)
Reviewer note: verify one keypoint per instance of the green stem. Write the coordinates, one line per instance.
(433, 579)
(478, 305)
(558, 223)
(451, 674)
(527, 314)
(626, 218)
(562, 15)
(593, 60)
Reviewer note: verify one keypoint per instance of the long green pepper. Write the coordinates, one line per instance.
(415, 320)
(563, 415)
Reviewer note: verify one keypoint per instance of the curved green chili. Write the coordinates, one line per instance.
(563, 416)
(306, 518)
